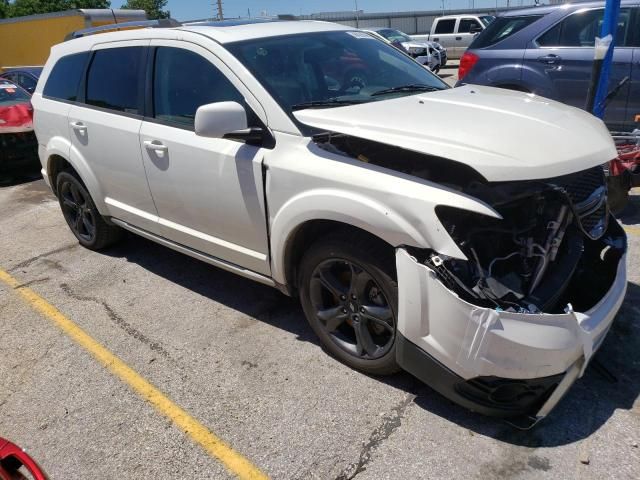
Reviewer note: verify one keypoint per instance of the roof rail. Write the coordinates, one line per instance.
(160, 23)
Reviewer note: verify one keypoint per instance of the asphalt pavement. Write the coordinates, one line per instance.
(239, 358)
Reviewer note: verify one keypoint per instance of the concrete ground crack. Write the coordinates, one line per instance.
(31, 282)
(32, 260)
(390, 423)
(119, 321)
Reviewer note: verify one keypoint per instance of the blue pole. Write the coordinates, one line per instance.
(609, 27)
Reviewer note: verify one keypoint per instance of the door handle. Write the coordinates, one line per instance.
(550, 59)
(458, 38)
(156, 146)
(436, 39)
(79, 127)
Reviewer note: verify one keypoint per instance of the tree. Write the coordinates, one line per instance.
(154, 8)
(20, 8)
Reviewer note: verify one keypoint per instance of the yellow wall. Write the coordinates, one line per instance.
(29, 42)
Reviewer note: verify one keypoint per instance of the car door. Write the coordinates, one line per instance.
(443, 33)
(563, 57)
(465, 35)
(208, 191)
(105, 127)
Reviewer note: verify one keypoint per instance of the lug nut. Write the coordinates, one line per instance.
(344, 310)
(362, 310)
(353, 297)
(342, 297)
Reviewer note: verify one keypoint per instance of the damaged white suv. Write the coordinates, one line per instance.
(474, 251)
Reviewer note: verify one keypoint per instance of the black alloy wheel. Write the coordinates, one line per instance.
(81, 214)
(77, 211)
(349, 294)
(352, 308)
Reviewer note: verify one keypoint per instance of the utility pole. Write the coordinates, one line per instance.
(220, 14)
(357, 19)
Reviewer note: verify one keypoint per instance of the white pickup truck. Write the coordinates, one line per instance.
(455, 32)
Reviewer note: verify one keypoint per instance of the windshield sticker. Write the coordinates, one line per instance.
(360, 35)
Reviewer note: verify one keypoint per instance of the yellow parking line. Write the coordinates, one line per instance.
(232, 460)
(632, 229)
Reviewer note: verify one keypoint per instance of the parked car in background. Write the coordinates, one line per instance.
(431, 54)
(429, 246)
(26, 77)
(16, 464)
(455, 32)
(549, 51)
(18, 144)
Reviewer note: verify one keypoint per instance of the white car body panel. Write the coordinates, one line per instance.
(468, 118)
(221, 211)
(307, 183)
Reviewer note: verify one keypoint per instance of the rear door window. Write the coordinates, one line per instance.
(445, 26)
(466, 24)
(64, 79)
(580, 30)
(114, 78)
(501, 28)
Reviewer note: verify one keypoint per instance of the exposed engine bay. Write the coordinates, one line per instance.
(553, 250)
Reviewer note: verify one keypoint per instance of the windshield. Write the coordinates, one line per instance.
(394, 35)
(487, 19)
(11, 94)
(326, 69)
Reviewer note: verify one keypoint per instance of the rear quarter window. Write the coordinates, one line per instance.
(502, 28)
(64, 79)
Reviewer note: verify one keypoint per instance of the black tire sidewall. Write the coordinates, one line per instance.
(65, 177)
(384, 275)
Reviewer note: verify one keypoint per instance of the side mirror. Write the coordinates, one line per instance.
(475, 29)
(215, 120)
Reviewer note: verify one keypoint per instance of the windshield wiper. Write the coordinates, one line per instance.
(407, 88)
(331, 102)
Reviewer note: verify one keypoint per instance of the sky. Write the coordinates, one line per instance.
(196, 9)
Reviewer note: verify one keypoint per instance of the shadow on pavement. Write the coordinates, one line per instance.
(251, 298)
(12, 179)
(587, 406)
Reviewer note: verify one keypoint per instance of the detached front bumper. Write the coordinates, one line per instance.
(492, 361)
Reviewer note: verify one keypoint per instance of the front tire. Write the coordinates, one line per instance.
(81, 214)
(349, 295)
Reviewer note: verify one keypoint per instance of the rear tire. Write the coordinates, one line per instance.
(81, 214)
(349, 293)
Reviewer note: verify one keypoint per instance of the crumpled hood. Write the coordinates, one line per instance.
(503, 135)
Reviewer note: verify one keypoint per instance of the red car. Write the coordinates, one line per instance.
(14, 461)
(18, 144)
(624, 171)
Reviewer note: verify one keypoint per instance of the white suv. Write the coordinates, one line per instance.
(476, 252)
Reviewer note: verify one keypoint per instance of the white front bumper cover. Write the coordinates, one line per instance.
(492, 361)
